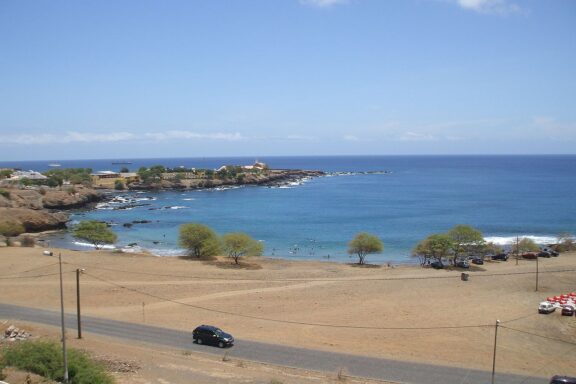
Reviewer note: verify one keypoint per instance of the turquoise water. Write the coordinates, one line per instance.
(503, 196)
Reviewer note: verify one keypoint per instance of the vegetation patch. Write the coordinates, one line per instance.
(45, 358)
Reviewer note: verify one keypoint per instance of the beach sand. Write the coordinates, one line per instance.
(423, 301)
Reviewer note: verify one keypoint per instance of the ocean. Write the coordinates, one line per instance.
(502, 196)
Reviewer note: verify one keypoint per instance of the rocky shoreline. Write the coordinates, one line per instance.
(32, 210)
(276, 177)
(40, 209)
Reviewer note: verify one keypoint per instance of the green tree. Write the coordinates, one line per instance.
(119, 185)
(5, 173)
(435, 246)
(124, 170)
(199, 239)
(525, 245)
(466, 241)
(364, 244)
(565, 242)
(95, 232)
(11, 228)
(237, 244)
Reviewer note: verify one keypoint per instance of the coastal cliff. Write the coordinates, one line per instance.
(36, 210)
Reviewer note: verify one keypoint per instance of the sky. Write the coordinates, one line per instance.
(198, 78)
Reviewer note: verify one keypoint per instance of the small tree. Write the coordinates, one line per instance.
(565, 242)
(435, 246)
(199, 239)
(525, 245)
(364, 244)
(466, 240)
(11, 228)
(237, 244)
(95, 232)
(119, 185)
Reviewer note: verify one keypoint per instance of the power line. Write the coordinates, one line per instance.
(284, 321)
(29, 270)
(321, 279)
(29, 277)
(541, 336)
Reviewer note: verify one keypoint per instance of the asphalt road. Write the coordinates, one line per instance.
(369, 367)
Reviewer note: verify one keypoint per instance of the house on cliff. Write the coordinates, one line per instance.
(108, 179)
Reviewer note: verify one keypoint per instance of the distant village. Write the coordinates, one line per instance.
(155, 177)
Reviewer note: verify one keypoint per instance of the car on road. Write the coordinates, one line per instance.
(568, 310)
(562, 380)
(546, 307)
(208, 334)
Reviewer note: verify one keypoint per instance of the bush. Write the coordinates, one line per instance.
(44, 358)
(119, 185)
(5, 193)
(27, 241)
(10, 228)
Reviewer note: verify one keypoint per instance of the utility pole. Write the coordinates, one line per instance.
(537, 272)
(494, 356)
(517, 249)
(62, 321)
(78, 272)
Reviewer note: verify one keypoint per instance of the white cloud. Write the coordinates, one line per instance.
(554, 129)
(175, 135)
(417, 136)
(323, 3)
(88, 137)
(500, 7)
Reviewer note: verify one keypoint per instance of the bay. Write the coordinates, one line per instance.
(503, 196)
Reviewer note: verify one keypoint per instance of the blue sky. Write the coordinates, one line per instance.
(187, 78)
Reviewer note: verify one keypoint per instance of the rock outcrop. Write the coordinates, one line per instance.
(39, 210)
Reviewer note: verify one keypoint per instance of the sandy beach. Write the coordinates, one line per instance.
(399, 312)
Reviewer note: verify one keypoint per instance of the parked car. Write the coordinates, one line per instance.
(437, 264)
(500, 256)
(477, 260)
(568, 310)
(530, 255)
(546, 307)
(544, 254)
(554, 253)
(208, 334)
(462, 264)
(562, 380)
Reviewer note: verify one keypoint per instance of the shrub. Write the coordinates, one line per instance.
(44, 358)
(10, 228)
(5, 193)
(27, 241)
(119, 185)
(42, 191)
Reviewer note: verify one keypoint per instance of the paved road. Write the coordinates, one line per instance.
(322, 361)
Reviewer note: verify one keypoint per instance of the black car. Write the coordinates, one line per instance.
(544, 254)
(437, 264)
(462, 264)
(562, 380)
(500, 256)
(477, 260)
(208, 334)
